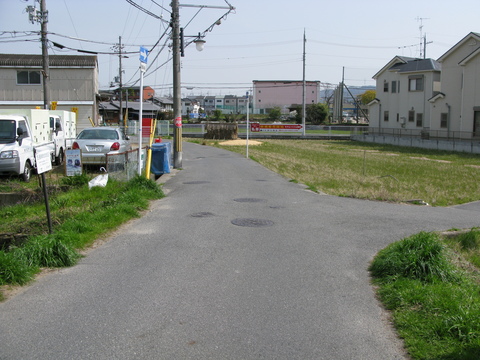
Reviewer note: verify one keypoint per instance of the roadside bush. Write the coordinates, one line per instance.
(77, 180)
(470, 240)
(419, 257)
(47, 251)
(14, 270)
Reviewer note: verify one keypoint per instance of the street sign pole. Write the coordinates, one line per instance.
(143, 65)
(248, 122)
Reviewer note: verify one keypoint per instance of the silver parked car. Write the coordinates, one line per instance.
(96, 142)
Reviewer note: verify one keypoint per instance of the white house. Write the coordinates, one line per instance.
(456, 109)
(403, 87)
(430, 98)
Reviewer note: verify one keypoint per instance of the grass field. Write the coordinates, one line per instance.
(371, 171)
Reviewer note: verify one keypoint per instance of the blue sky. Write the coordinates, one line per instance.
(261, 40)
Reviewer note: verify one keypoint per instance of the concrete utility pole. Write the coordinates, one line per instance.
(41, 16)
(45, 59)
(177, 94)
(304, 92)
(120, 120)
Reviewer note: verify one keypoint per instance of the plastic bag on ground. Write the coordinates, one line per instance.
(100, 180)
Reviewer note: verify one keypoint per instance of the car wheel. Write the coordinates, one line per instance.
(59, 158)
(27, 172)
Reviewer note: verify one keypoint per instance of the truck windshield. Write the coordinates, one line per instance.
(7, 131)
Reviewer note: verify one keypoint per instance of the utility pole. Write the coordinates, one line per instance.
(120, 77)
(45, 59)
(177, 94)
(41, 16)
(304, 93)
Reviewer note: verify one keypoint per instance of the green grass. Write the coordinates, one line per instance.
(434, 297)
(79, 216)
(373, 171)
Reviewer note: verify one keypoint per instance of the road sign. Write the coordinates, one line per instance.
(178, 122)
(256, 127)
(143, 55)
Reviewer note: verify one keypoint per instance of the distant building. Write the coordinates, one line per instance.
(73, 83)
(282, 94)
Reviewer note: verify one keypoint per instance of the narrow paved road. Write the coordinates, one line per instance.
(235, 263)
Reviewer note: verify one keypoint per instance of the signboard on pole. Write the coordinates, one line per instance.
(256, 127)
(178, 122)
(73, 162)
(43, 160)
(143, 55)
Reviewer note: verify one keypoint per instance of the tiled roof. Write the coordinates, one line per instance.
(417, 65)
(26, 60)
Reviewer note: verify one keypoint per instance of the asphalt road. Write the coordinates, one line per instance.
(235, 263)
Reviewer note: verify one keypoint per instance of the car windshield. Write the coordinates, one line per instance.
(98, 134)
(7, 131)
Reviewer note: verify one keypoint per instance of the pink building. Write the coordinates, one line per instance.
(283, 94)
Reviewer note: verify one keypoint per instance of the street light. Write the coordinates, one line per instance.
(177, 48)
(199, 44)
(177, 35)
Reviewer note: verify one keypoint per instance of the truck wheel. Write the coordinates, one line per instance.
(27, 172)
(59, 158)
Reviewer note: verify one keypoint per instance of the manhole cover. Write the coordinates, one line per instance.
(196, 182)
(202, 214)
(249, 200)
(252, 222)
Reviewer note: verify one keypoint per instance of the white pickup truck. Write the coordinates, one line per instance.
(23, 132)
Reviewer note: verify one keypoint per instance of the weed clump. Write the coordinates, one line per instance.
(419, 257)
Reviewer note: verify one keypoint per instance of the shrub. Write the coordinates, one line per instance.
(470, 240)
(420, 256)
(47, 251)
(14, 270)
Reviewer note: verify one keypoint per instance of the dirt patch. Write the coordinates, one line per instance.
(424, 158)
(240, 142)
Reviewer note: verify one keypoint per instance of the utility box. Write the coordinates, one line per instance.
(161, 155)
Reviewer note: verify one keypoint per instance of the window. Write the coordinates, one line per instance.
(419, 120)
(394, 87)
(385, 116)
(398, 117)
(22, 125)
(415, 83)
(28, 78)
(411, 116)
(385, 86)
(444, 120)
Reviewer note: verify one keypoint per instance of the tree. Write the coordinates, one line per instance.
(316, 113)
(274, 113)
(368, 96)
(217, 114)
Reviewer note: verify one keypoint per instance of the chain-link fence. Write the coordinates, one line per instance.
(124, 166)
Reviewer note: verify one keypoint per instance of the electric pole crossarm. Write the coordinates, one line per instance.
(208, 6)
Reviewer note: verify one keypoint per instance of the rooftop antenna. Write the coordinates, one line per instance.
(423, 38)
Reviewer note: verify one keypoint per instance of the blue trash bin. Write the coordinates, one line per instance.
(161, 154)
